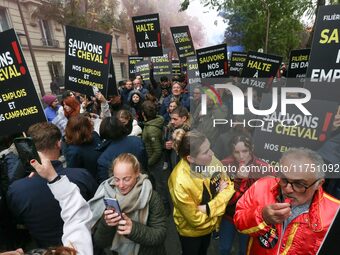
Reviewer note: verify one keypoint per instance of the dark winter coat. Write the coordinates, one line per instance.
(84, 155)
(33, 204)
(153, 139)
(151, 236)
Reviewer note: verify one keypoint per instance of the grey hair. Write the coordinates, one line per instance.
(307, 153)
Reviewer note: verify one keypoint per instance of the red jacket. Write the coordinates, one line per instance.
(302, 236)
(240, 184)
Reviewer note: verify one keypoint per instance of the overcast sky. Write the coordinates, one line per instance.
(207, 18)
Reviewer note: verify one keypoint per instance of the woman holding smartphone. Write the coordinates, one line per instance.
(140, 228)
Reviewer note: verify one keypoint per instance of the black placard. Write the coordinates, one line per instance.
(148, 35)
(183, 42)
(112, 89)
(192, 71)
(133, 60)
(297, 68)
(260, 70)
(323, 74)
(143, 69)
(213, 61)
(161, 66)
(277, 133)
(87, 60)
(176, 67)
(236, 63)
(20, 106)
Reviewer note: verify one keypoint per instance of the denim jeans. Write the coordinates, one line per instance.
(227, 236)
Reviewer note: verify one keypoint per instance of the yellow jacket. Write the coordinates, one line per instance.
(186, 189)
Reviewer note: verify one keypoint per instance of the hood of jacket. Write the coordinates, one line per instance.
(156, 122)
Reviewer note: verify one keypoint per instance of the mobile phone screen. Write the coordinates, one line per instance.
(27, 151)
(95, 90)
(112, 203)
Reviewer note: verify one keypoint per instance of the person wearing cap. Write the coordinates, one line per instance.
(52, 103)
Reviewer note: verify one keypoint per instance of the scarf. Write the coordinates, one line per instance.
(135, 205)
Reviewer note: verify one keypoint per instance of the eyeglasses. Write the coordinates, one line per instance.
(296, 186)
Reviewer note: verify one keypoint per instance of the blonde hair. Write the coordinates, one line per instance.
(129, 159)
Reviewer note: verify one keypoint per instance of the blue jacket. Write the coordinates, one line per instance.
(183, 99)
(33, 204)
(84, 155)
(51, 113)
(112, 149)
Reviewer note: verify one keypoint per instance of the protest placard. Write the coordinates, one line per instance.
(87, 59)
(133, 60)
(176, 67)
(192, 71)
(161, 66)
(236, 63)
(183, 42)
(213, 61)
(20, 106)
(148, 35)
(260, 70)
(323, 73)
(143, 69)
(297, 68)
(277, 132)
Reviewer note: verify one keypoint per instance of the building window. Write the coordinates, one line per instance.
(4, 24)
(47, 37)
(123, 70)
(56, 71)
(117, 42)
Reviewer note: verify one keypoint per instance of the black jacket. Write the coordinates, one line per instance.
(33, 204)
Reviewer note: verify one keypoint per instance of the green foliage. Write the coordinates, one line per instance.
(247, 22)
(91, 14)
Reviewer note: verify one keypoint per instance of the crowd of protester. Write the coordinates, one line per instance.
(150, 147)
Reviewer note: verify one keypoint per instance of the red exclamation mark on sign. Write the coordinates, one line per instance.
(328, 117)
(17, 55)
(107, 48)
(225, 67)
(159, 39)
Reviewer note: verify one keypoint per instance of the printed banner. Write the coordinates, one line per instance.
(87, 59)
(148, 35)
(20, 106)
(133, 60)
(323, 74)
(260, 70)
(297, 68)
(183, 42)
(213, 61)
(236, 63)
(280, 132)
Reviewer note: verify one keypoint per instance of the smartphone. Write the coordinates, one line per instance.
(27, 151)
(112, 203)
(95, 90)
